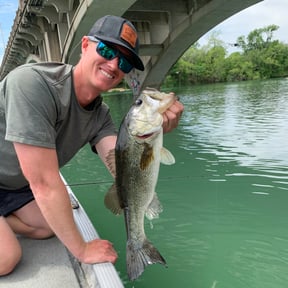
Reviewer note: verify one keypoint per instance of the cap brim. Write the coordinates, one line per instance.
(135, 60)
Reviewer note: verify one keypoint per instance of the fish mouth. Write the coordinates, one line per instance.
(145, 136)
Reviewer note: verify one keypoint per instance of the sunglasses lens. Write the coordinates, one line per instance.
(124, 65)
(105, 51)
(110, 53)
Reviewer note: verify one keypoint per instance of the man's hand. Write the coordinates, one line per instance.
(172, 116)
(98, 251)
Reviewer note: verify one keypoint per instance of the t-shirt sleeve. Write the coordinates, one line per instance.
(31, 111)
(107, 128)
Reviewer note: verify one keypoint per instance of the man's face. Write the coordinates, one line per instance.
(103, 74)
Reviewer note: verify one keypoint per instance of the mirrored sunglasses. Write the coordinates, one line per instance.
(110, 53)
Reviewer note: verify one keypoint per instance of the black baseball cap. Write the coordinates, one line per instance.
(117, 30)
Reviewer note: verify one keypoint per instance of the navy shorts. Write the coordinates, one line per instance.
(12, 200)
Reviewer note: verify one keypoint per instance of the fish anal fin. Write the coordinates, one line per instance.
(154, 208)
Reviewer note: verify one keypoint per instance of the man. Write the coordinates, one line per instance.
(48, 111)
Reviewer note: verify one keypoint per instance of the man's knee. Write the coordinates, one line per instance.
(9, 260)
(29, 228)
(42, 233)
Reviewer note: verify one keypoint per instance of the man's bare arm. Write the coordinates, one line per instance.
(105, 148)
(40, 167)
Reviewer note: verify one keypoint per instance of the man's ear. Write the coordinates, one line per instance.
(84, 43)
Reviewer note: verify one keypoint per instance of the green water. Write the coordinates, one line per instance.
(224, 223)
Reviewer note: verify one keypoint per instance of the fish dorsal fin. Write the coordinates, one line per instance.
(112, 202)
(154, 208)
(166, 157)
(110, 162)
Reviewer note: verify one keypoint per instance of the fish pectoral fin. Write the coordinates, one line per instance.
(112, 202)
(154, 208)
(166, 157)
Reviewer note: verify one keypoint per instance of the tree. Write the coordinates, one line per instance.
(261, 58)
(239, 69)
(258, 39)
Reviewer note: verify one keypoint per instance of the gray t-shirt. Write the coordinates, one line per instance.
(38, 107)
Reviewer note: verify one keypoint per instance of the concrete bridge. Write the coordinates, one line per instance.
(51, 30)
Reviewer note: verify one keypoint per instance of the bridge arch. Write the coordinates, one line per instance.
(33, 59)
(51, 30)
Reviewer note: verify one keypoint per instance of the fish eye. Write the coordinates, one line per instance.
(138, 102)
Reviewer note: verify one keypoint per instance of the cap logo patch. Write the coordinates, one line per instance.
(129, 35)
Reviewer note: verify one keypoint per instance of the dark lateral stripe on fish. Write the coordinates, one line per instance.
(147, 156)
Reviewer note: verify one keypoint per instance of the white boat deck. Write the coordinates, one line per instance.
(48, 264)
(45, 263)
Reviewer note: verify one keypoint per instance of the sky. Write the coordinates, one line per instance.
(260, 15)
(8, 10)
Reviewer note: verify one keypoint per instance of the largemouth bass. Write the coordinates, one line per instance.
(138, 154)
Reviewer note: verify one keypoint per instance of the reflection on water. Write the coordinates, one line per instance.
(246, 122)
(225, 214)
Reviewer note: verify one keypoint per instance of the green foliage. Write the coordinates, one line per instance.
(260, 57)
(258, 39)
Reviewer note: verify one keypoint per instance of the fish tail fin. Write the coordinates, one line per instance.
(140, 257)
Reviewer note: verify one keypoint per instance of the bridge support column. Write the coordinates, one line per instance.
(52, 45)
